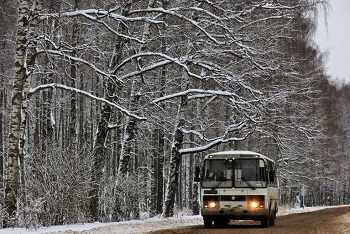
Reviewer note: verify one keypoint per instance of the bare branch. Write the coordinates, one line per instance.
(60, 86)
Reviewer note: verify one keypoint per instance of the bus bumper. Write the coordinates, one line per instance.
(235, 213)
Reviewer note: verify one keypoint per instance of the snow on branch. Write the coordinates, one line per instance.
(168, 59)
(60, 86)
(277, 17)
(244, 128)
(95, 14)
(200, 91)
(211, 145)
(276, 6)
(174, 12)
(145, 69)
(79, 60)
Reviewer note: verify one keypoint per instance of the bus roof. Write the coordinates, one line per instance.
(236, 154)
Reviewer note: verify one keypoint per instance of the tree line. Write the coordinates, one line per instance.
(106, 107)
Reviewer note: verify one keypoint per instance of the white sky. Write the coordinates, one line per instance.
(335, 40)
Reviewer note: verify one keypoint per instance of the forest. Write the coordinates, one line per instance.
(106, 107)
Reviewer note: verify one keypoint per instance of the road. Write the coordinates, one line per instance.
(327, 221)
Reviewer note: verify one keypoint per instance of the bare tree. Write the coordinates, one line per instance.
(25, 58)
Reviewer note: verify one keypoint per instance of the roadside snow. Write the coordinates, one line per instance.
(138, 226)
(284, 211)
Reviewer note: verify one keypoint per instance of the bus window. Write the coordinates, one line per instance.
(250, 173)
(217, 170)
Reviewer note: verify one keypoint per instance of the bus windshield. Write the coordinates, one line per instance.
(249, 173)
(218, 173)
(239, 173)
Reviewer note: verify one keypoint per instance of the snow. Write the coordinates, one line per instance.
(190, 91)
(141, 226)
(72, 89)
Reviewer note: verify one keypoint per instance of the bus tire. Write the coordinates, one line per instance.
(273, 217)
(272, 220)
(220, 223)
(207, 222)
(265, 223)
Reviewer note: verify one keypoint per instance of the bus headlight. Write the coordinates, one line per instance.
(255, 204)
(211, 204)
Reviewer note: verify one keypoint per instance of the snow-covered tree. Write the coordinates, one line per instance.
(139, 91)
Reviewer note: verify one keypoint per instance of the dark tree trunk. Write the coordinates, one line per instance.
(194, 198)
(129, 136)
(103, 129)
(175, 161)
(99, 160)
(73, 78)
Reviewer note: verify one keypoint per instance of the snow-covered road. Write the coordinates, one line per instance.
(137, 226)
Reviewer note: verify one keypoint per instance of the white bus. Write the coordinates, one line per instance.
(238, 185)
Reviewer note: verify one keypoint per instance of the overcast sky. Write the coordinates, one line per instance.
(336, 39)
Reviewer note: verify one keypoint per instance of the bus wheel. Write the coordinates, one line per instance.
(272, 220)
(221, 223)
(265, 223)
(207, 222)
(273, 217)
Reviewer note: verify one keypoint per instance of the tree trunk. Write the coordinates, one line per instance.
(157, 177)
(160, 173)
(73, 77)
(103, 129)
(194, 199)
(2, 110)
(99, 159)
(131, 124)
(129, 135)
(7, 55)
(25, 57)
(175, 161)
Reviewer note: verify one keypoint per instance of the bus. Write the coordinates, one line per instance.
(237, 185)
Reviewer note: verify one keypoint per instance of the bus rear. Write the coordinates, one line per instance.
(238, 185)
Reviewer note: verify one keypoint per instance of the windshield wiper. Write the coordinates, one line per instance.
(248, 183)
(217, 185)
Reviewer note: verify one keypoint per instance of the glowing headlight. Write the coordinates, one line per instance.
(212, 204)
(254, 204)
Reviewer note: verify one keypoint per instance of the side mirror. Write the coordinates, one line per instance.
(196, 174)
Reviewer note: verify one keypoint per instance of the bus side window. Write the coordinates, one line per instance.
(263, 170)
(238, 174)
(228, 174)
(272, 174)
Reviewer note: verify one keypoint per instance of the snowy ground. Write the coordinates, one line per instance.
(139, 226)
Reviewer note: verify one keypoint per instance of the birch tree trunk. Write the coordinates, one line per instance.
(25, 57)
